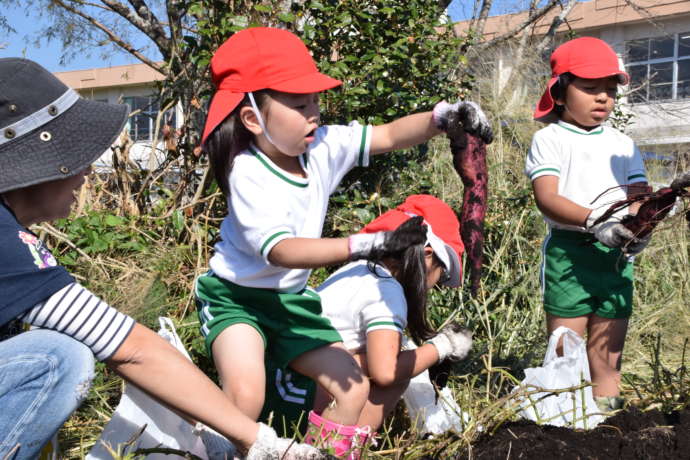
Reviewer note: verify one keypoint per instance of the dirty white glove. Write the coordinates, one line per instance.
(374, 246)
(471, 116)
(453, 342)
(611, 232)
(268, 446)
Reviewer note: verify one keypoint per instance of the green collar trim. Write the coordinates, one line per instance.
(275, 170)
(576, 130)
(362, 145)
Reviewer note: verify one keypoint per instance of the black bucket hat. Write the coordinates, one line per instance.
(47, 131)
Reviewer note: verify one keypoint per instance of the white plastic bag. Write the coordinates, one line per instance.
(164, 428)
(427, 414)
(576, 409)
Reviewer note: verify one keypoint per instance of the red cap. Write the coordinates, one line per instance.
(585, 57)
(443, 230)
(261, 58)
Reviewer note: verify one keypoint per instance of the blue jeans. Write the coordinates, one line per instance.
(44, 376)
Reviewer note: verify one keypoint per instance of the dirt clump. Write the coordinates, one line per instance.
(628, 435)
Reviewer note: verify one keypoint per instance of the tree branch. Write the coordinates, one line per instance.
(111, 36)
(528, 22)
(144, 20)
(481, 19)
(547, 39)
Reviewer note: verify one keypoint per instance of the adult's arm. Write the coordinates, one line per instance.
(144, 358)
(155, 366)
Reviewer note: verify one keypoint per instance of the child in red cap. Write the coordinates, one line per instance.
(578, 167)
(278, 168)
(372, 303)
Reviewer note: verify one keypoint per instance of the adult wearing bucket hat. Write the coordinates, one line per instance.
(373, 303)
(49, 136)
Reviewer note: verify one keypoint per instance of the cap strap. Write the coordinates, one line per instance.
(41, 116)
(260, 118)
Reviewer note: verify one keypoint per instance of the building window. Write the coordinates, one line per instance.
(141, 125)
(659, 68)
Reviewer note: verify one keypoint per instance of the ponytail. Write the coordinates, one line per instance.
(410, 271)
(412, 276)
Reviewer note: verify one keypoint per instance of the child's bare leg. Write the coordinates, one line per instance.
(606, 338)
(336, 371)
(578, 324)
(242, 374)
(381, 402)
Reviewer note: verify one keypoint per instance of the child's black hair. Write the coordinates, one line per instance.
(228, 139)
(411, 274)
(559, 90)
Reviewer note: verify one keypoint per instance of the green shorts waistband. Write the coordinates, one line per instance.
(571, 234)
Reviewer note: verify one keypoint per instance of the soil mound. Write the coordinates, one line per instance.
(628, 435)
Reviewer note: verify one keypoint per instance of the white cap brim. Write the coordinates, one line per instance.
(446, 255)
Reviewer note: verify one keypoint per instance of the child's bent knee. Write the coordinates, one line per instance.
(354, 393)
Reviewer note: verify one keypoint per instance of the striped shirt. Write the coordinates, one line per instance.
(75, 311)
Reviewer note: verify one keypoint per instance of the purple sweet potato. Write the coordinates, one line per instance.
(469, 160)
(655, 206)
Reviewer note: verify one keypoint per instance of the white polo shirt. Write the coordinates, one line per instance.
(267, 205)
(357, 301)
(592, 167)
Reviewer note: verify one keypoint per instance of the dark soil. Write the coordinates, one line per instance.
(629, 435)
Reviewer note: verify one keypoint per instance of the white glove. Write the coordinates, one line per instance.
(594, 214)
(374, 246)
(471, 116)
(268, 446)
(453, 342)
(611, 232)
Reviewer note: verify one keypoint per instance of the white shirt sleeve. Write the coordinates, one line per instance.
(636, 169)
(543, 158)
(261, 218)
(75, 311)
(386, 309)
(348, 147)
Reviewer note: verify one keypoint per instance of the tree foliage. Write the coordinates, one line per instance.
(394, 56)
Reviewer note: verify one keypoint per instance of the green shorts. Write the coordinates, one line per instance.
(289, 398)
(290, 324)
(581, 276)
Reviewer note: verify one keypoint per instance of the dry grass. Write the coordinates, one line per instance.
(506, 317)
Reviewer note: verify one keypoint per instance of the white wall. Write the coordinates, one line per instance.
(659, 122)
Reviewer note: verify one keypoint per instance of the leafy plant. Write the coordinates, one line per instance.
(97, 232)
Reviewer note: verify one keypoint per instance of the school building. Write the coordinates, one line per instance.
(134, 85)
(652, 41)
